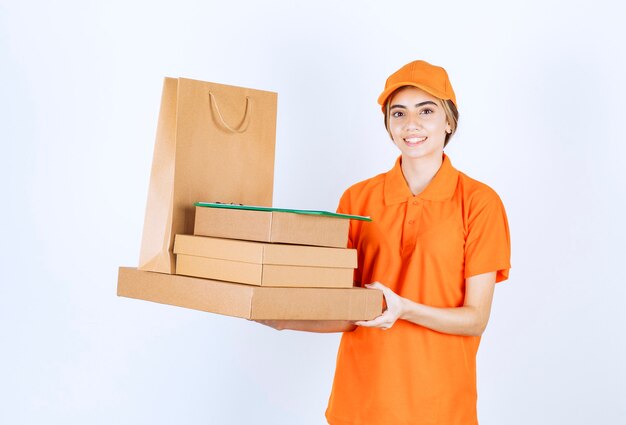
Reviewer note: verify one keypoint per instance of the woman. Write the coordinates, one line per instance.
(438, 243)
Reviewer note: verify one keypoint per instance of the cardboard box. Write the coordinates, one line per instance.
(264, 264)
(272, 226)
(250, 302)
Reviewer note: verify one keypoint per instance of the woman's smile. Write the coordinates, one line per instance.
(412, 141)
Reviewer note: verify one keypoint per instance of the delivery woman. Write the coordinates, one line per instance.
(438, 243)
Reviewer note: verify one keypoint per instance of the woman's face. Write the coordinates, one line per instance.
(417, 123)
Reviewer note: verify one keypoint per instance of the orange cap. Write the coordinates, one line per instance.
(430, 78)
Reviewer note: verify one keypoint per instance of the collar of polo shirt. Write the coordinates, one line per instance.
(441, 188)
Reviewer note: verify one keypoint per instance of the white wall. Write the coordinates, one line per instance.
(541, 91)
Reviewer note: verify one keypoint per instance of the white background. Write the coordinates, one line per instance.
(540, 87)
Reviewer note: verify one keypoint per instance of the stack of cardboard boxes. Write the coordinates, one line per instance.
(260, 263)
(216, 142)
(267, 248)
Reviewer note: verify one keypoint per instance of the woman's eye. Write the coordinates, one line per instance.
(397, 114)
(427, 111)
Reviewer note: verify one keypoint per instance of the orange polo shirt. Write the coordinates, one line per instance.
(423, 247)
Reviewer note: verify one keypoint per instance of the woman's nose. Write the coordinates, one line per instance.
(413, 122)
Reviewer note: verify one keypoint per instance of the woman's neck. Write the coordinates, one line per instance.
(418, 172)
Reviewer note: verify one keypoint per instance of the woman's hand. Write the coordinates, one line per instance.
(393, 312)
(470, 319)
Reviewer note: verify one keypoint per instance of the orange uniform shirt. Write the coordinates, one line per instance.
(423, 247)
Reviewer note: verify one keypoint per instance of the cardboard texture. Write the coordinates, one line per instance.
(265, 253)
(274, 227)
(250, 302)
(264, 264)
(214, 142)
(264, 274)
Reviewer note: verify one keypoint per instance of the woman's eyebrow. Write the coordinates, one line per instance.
(417, 105)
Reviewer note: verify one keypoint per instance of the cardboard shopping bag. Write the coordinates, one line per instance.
(214, 142)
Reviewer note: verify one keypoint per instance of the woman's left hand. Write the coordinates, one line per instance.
(390, 315)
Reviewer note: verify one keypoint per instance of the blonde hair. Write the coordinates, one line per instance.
(449, 108)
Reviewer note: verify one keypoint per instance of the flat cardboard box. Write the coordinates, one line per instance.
(264, 264)
(274, 227)
(250, 302)
(263, 274)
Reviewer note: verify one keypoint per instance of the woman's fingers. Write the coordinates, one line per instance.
(391, 313)
(377, 285)
(383, 321)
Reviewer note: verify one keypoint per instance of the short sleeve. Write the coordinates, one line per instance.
(488, 243)
(344, 208)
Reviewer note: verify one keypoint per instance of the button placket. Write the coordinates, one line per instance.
(411, 224)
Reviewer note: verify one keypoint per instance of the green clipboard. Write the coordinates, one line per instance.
(271, 209)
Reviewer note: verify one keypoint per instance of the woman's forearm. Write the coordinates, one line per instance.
(470, 319)
(465, 320)
(320, 326)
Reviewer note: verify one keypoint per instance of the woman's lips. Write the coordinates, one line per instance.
(414, 140)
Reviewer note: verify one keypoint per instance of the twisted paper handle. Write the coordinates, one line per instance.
(246, 118)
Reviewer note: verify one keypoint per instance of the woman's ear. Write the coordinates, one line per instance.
(448, 128)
